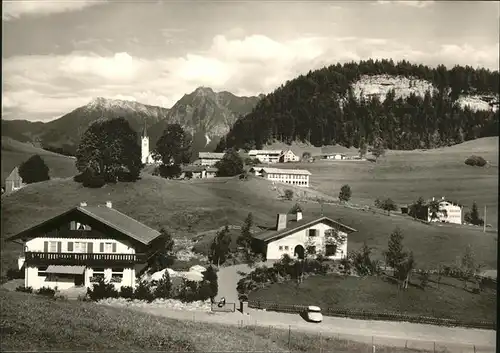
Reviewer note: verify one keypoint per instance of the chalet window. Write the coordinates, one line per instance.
(52, 246)
(108, 247)
(286, 247)
(330, 249)
(313, 232)
(80, 247)
(281, 248)
(70, 246)
(41, 271)
(98, 272)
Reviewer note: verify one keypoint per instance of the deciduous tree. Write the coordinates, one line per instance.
(345, 193)
(34, 170)
(220, 247)
(230, 165)
(174, 146)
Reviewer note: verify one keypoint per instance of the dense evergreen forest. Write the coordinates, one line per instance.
(320, 107)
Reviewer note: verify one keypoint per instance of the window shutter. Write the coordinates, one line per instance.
(70, 246)
(101, 247)
(114, 247)
(72, 225)
(90, 247)
(45, 246)
(59, 246)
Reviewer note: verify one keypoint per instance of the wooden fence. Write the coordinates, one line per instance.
(371, 315)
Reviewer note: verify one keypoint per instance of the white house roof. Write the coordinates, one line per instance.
(285, 171)
(210, 155)
(256, 152)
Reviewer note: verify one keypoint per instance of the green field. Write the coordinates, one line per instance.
(30, 322)
(377, 294)
(14, 153)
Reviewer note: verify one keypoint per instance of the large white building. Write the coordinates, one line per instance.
(74, 249)
(266, 156)
(289, 156)
(209, 158)
(297, 177)
(146, 155)
(448, 212)
(300, 237)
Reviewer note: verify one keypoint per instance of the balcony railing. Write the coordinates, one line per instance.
(57, 258)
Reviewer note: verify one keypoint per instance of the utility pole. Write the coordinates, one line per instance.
(484, 225)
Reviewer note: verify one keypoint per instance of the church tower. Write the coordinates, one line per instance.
(145, 146)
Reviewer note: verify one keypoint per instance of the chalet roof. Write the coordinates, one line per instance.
(14, 175)
(108, 216)
(294, 226)
(256, 152)
(210, 155)
(198, 168)
(284, 171)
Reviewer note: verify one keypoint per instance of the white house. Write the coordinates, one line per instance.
(335, 156)
(146, 155)
(299, 237)
(14, 181)
(448, 212)
(297, 177)
(209, 158)
(288, 156)
(75, 248)
(198, 171)
(266, 156)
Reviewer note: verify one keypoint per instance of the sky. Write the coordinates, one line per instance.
(59, 55)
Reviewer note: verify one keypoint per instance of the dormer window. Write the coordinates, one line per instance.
(79, 226)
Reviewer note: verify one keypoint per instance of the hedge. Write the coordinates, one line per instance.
(370, 315)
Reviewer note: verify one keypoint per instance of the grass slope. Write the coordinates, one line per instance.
(189, 207)
(449, 301)
(14, 153)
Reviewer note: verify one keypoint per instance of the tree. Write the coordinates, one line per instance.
(288, 194)
(405, 268)
(174, 146)
(295, 208)
(472, 217)
(220, 246)
(211, 278)
(388, 205)
(435, 211)
(418, 209)
(378, 148)
(110, 149)
(170, 171)
(362, 148)
(245, 239)
(230, 165)
(468, 265)
(164, 256)
(306, 155)
(362, 263)
(164, 287)
(345, 193)
(394, 255)
(34, 170)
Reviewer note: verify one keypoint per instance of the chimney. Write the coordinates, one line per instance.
(83, 204)
(433, 198)
(299, 215)
(109, 204)
(442, 198)
(280, 221)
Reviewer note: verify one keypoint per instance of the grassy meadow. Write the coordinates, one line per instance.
(378, 294)
(31, 322)
(14, 153)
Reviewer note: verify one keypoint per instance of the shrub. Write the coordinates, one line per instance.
(94, 181)
(144, 292)
(189, 291)
(164, 287)
(24, 289)
(345, 193)
(46, 291)
(102, 290)
(288, 194)
(424, 278)
(14, 274)
(475, 161)
(127, 292)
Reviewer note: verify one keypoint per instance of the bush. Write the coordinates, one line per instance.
(46, 291)
(345, 193)
(24, 289)
(127, 292)
(475, 161)
(164, 287)
(14, 274)
(94, 181)
(144, 292)
(288, 194)
(102, 290)
(189, 291)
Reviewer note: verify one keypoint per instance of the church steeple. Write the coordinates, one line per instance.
(144, 130)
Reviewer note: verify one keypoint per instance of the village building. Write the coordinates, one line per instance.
(198, 172)
(209, 158)
(288, 156)
(449, 212)
(335, 156)
(83, 244)
(266, 156)
(14, 181)
(297, 177)
(301, 237)
(146, 155)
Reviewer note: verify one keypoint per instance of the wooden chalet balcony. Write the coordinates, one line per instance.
(57, 258)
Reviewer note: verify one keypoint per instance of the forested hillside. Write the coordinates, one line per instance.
(322, 107)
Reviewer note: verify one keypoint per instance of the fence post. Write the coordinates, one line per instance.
(434, 347)
(320, 343)
(289, 336)
(474, 348)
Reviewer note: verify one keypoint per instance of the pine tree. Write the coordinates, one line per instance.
(220, 247)
(345, 193)
(164, 287)
(210, 276)
(34, 170)
(394, 254)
